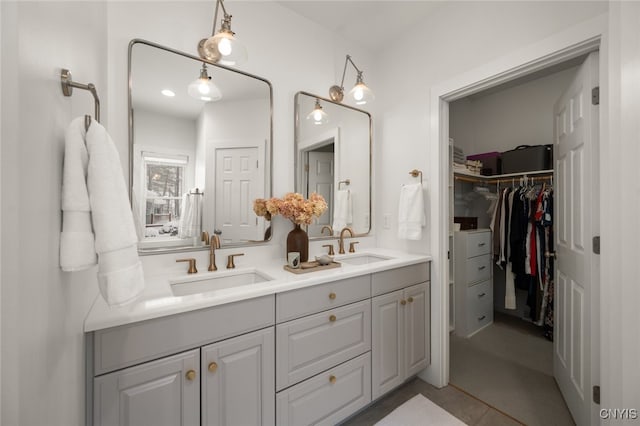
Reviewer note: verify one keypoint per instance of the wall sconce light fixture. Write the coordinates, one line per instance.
(222, 47)
(203, 88)
(318, 115)
(360, 94)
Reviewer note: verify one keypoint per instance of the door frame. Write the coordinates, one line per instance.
(578, 40)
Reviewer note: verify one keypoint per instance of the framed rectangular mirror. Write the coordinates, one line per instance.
(333, 158)
(196, 163)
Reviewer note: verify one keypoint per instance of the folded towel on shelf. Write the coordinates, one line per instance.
(120, 276)
(77, 250)
(342, 209)
(411, 217)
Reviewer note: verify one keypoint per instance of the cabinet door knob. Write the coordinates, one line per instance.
(332, 318)
(332, 379)
(191, 375)
(332, 296)
(403, 302)
(213, 367)
(410, 299)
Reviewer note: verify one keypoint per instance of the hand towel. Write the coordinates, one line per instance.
(120, 276)
(342, 209)
(77, 251)
(191, 216)
(411, 217)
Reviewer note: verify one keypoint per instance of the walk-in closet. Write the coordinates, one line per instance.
(503, 305)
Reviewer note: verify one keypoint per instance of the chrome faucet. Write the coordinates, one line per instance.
(328, 228)
(341, 240)
(214, 243)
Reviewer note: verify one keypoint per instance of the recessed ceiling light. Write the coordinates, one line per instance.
(168, 93)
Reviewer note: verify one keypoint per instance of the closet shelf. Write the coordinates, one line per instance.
(470, 177)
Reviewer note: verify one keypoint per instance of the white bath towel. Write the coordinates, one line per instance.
(77, 251)
(342, 209)
(120, 275)
(411, 217)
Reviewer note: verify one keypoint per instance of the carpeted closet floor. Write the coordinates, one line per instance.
(509, 365)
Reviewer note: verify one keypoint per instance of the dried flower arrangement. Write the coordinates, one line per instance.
(292, 206)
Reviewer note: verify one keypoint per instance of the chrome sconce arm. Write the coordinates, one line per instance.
(222, 47)
(360, 93)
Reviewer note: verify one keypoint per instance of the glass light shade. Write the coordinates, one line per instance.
(361, 94)
(225, 49)
(204, 89)
(318, 116)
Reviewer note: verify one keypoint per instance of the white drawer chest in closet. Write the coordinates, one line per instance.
(473, 281)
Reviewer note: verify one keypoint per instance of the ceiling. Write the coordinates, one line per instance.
(366, 22)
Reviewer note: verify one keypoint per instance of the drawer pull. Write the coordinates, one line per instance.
(332, 379)
(480, 268)
(482, 244)
(332, 318)
(191, 375)
(213, 367)
(482, 294)
(410, 299)
(332, 296)
(482, 317)
(403, 302)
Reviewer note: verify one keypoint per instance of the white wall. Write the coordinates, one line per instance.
(500, 121)
(43, 309)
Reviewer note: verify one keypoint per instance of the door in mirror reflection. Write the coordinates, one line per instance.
(333, 158)
(198, 162)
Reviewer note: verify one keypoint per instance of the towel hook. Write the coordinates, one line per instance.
(67, 89)
(346, 182)
(416, 173)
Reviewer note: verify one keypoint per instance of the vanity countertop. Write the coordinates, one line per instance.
(158, 300)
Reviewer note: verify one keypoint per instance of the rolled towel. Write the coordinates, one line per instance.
(411, 217)
(120, 275)
(342, 210)
(77, 250)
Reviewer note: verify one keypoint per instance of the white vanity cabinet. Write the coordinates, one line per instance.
(400, 343)
(198, 373)
(474, 284)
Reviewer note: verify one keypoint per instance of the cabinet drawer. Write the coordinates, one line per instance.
(478, 269)
(395, 279)
(479, 305)
(327, 398)
(478, 243)
(305, 301)
(130, 344)
(312, 344)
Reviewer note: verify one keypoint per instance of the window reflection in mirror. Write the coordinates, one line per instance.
(333, 158)
(196, 165)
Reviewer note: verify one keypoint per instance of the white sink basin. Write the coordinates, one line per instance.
(362, 259)
(212, 281)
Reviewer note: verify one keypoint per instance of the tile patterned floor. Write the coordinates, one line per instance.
(457, 402)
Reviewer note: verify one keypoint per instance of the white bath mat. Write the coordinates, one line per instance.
(419, 411)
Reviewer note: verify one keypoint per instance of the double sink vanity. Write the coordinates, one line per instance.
(259, 345)
(248, 345)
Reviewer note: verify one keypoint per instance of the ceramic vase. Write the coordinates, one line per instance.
(298, 240)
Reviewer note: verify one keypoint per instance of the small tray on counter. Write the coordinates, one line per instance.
(312, 266)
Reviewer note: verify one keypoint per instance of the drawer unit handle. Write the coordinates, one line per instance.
(410, 299)
(403, 302)
(480, 268)
(332, 379)
(332, 318)
(482, 317)
(482, 244)
(213, 367)
(482, 294)
(332, 296)
(191, 375)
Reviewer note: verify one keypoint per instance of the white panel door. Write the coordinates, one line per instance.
(237, 185)
(387, 343)
(575, 323)
(320, 180)
(238, 381)
(158, 393)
